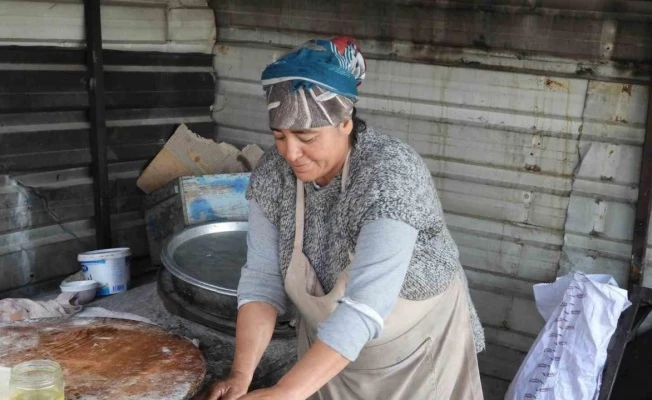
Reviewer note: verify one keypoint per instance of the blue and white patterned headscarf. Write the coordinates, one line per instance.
(315, 85)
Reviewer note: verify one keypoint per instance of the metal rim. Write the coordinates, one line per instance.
(172, 243)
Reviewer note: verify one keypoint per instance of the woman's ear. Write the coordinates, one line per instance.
(346, 127)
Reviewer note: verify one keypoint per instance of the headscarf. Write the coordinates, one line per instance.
(314, 85)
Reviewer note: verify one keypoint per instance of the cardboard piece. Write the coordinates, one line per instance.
(188, 154)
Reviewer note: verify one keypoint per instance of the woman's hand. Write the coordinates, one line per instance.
(231, 388)
(274, 393)
(253, 332)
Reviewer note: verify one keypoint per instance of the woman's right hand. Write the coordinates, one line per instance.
(231, 388)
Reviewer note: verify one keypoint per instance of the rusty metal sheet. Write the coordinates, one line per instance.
(517, 37)
(537, 173)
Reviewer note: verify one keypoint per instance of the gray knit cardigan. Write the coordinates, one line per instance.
(387, 179)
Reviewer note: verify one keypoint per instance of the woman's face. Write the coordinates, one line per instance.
(316, 154)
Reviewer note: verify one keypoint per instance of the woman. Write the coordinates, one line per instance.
(345, 224)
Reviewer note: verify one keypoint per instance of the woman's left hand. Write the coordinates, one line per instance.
(273, 393)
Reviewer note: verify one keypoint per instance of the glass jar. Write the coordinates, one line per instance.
(36, 380)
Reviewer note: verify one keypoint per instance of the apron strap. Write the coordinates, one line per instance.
(299, 217)
(345, 171)
(299, 212)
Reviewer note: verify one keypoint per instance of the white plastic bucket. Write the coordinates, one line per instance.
(109, 267)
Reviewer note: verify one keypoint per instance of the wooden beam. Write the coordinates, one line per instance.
(97, 114)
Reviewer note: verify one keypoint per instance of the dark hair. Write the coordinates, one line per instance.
(359, 125)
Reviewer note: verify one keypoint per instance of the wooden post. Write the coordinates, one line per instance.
(97, 115)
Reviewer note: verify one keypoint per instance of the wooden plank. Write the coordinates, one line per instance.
(115, 57)
(59, 149)
(25, 102)
(41, 55)
(178, 97)
(158, 81)
(60, 140)
(35, 81)
(143, 117)
(63, 56)
(57, 120)
(27, 81)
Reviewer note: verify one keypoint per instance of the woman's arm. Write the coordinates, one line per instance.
(254, 328)
(261, 297)
(318, 366)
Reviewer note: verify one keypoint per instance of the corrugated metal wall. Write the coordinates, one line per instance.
(145, 25)
(535, 155)
(46, 197)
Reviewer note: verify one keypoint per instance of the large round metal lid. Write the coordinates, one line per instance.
(208, 256)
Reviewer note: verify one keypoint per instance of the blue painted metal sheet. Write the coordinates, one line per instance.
(215, 198)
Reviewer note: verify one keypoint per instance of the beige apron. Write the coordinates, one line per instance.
(426, 349)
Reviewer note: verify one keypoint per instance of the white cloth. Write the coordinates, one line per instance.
(567, 358)
(21, 309)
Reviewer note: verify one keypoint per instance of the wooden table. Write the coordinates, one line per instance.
(110, 359)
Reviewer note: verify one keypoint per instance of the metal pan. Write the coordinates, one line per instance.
(208, 256)
(205, 263)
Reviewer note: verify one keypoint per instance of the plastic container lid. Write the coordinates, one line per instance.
(106, 254)
(78, 286)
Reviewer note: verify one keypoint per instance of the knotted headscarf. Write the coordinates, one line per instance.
(314, 85)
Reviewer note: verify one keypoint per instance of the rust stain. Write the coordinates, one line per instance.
(553, 84)
(627, 88)
(224, 50)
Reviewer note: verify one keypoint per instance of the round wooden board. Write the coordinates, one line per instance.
(110, 359)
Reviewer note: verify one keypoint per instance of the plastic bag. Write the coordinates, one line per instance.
(567, 358)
